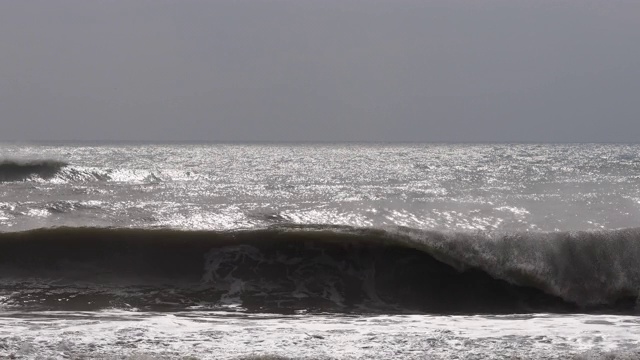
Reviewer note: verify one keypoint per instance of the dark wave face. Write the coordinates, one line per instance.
(286, 269)
(325, 269)
(17, 170)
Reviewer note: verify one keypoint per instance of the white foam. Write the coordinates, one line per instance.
(224, 335)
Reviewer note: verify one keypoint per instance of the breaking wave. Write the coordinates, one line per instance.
(19, 170)
(62, 172)
(290, 268)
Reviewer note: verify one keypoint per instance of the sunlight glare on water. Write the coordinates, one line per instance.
(440, 187)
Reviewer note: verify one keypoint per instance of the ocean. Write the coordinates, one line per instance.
(319, 251)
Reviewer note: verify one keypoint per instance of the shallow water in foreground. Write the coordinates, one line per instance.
(117, 334)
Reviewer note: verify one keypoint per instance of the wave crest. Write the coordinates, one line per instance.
(20, 170)
(584, 267)
(323, 268)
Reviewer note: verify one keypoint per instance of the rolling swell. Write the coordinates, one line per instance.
(321, 268)
(24, 170)
(18, 170)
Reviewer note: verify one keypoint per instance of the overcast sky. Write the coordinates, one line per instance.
(320, 70)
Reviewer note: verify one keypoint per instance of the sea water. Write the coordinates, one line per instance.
(336, 251)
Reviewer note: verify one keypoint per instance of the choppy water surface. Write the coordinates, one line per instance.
(447, 187)
(320, 251)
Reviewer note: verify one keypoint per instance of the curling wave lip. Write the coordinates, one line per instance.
(321, 268)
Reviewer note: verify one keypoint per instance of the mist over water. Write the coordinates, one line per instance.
(339, 238)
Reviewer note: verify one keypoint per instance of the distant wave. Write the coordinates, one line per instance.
(19, 170)
(25, 170)
(322, 268)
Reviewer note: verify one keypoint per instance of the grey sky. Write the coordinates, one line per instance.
(320, 70)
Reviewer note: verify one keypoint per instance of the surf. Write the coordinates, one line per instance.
(20, 170)
(320, 268)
